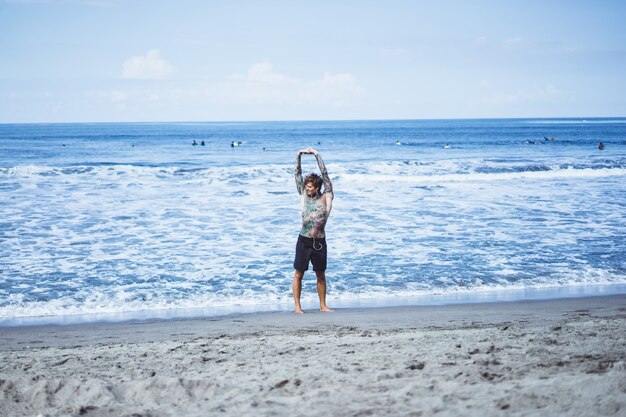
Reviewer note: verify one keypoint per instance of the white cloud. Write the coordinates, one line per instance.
(512, 42)
(533, 94)
(118, 95)
(335, 89)
(261, 84)
(147, 67)
(263, 72)
(259, 92)
(141, 95)
(481, 40)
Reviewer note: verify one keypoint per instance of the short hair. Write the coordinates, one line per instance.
(315, 179)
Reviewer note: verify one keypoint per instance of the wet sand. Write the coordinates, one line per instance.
(563, 357)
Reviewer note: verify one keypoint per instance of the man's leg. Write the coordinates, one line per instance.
(297, 289)
(321, 290)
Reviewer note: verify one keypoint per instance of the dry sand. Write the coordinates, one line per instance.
(562, 357)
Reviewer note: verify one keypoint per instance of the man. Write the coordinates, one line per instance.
(311, 246)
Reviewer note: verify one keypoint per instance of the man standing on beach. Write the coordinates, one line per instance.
(311, 246)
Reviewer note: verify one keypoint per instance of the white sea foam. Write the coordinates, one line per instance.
(126, 238)
(532, 175)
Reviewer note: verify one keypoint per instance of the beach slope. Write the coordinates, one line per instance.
(563, 357)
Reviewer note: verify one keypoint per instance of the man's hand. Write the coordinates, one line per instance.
(310, 151)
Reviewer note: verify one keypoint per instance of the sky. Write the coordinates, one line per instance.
(186, 60)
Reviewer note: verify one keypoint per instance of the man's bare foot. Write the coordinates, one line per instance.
(325, 309)
(299, 311)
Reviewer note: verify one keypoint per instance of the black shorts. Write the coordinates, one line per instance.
(310, 249)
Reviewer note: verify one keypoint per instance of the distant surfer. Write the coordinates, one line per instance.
(447, 146)
(202, 143)
(601, 146)
(311, 247)
(194, 143)
(398, 142)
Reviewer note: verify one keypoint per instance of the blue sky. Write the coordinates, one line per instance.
(138, 60)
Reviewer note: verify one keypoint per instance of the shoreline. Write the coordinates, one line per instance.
(491, 295)
(158, 330)
(535, 357)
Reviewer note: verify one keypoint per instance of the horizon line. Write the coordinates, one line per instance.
(320, 120)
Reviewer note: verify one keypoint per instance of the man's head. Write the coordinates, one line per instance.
(313, 184)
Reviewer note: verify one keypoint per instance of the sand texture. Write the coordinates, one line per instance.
(536, 358)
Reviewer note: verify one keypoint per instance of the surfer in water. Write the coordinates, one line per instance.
(311, 246)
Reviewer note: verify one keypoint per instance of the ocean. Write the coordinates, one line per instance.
(130, 220)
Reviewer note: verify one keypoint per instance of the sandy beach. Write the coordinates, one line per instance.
(563, 357)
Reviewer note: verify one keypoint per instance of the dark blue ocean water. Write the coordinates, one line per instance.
(128, 218)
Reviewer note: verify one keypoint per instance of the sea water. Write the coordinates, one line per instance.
(117, 221)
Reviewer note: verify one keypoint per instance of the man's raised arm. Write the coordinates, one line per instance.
(298, 173)
(328, 186)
